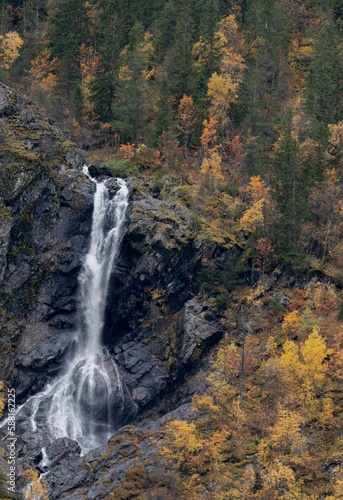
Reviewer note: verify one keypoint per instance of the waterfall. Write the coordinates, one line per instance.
(82, 401)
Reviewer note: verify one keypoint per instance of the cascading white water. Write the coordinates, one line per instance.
(79, 403)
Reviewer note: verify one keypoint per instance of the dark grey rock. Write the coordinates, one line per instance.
(194, 329)
(155, 329)
(75, 159)
(99, 170)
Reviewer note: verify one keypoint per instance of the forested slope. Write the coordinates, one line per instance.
(234, 110)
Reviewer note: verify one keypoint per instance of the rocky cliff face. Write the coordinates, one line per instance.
(157, 326)
(46, 206)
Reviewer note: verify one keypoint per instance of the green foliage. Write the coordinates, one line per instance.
(121, 168)
(3, 488)
(288, 188)
(324, 95)
(67, 30)
(230, 275)
(275, 305)
(308, 323)
(265, 83)
(230, 189)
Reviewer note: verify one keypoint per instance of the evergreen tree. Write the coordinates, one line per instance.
(67, 30)
(325, 80)
(288, 187)
(111, 37)
(266, 79)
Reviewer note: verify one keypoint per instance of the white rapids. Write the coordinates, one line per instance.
(78, 403)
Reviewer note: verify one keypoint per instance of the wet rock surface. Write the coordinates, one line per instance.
(157, 328)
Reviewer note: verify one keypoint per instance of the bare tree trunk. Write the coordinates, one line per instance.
(24, 17)
(241, 389)
(2, 18)
(326, 241)
(37, 18)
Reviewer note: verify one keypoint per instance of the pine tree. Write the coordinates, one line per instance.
(288, 187)
(265, 84)
(67, 31)
(325, 80)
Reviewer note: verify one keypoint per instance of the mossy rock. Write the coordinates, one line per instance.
(17, 149)
(15, 177)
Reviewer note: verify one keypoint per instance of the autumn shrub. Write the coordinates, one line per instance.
(308, 322)
(291, 323)
(322, 298)
(275, 305)
(36, 488)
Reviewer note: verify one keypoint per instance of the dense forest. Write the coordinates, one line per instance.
(240, 101)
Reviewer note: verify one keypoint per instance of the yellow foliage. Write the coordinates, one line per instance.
(248, 482)
(93, 14)
(229, 34)
(9, 48)
(279, 481)
(326, 417)
(209, 135)
(232, 204)
(2, 399)
(146, 48)
(271, 346)
(253, 217)
(226, 367)
(284, 439)
(125, 73)
(212, 167)
(301, 52)
(256, 293)
(303, 368)
(229, 45)
(36, 488)
(156, 295)
(301, 125)
(192, 490)
(181, 443)
(337, 486)
(291, 323)
(222, 92)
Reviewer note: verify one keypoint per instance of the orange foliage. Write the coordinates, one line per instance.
(298, 300)
(42, 74)
(90, 67)
(127, 150)
(169, 147)
(236, 158)
(266, 256)
(322, 299)
(291, 323)
(187, 120)
(255, 191)
(211, 166)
